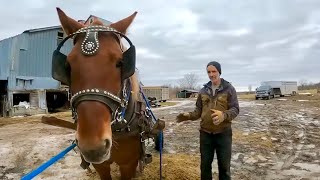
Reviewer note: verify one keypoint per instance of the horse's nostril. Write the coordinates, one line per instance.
(107, 143)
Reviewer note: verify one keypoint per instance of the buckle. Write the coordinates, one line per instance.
(141, 135)
(74, 114)
(148, 158)
(147, 112)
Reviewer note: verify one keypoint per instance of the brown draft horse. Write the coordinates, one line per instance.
(99, 71)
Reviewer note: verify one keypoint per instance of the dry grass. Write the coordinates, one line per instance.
(16, 120)
(312, 100)
(174, 166)
(246, 96)
(163, 104)
(312, 91)
(253, 139)
(33, 119)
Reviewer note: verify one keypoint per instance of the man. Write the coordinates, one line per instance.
(217, 105)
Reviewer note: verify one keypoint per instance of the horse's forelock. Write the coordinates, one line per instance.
(95, 21)
(134, 78)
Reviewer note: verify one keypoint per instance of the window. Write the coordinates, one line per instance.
(60, 37)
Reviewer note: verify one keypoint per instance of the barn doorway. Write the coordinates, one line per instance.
(21, 97)
(3, 98)
(57, 101)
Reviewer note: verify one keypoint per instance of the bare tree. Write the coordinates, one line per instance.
(250, 88)
(303, 83)
(189, 81)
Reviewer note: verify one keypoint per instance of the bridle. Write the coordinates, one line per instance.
(89, 47)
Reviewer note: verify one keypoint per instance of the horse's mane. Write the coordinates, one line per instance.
(135, 89)
(135, 86)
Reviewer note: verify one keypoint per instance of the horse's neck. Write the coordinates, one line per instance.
(135, 99)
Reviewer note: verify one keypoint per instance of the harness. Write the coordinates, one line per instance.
(128, 117)
(132, 119)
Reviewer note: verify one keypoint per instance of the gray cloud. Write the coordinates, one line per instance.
(253, 40)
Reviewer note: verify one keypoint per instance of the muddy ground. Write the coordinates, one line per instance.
(272, 139)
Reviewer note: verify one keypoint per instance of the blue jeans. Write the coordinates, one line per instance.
(220, 143)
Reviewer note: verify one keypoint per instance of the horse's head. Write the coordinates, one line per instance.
(95, 69)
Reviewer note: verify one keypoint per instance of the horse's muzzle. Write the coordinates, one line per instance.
(97, 155)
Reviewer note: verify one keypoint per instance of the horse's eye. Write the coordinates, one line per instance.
(119, 64)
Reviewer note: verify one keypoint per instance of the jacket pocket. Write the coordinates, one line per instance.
(222, 101)
(205, 100)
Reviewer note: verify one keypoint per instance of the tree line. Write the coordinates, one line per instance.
(189, 81)
(305, 85)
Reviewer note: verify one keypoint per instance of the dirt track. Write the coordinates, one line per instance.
(271, 140)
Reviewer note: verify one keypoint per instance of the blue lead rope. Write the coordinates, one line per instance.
(44, 166)
(145, 99)
(54, 159)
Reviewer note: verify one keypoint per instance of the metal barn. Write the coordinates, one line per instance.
(187, 93)
(26, 84)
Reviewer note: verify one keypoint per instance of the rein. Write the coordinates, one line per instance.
(120, 116)
(47, 164)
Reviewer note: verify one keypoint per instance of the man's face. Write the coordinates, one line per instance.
(213, 74)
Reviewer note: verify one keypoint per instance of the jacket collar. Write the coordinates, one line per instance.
(208, 85)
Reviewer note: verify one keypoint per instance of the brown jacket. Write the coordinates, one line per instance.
(225, 100)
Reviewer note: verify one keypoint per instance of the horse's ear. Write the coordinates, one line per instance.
(123, 24)
(68, 24)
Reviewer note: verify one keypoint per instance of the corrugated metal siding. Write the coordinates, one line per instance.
(36, 60)
(29, 55)
(13, 62)
(5, 49)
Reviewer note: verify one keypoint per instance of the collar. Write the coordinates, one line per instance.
(208, 85)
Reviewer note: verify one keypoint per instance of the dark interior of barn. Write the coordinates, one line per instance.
(57, 101)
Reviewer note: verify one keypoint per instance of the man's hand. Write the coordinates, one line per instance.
(183, 117)
(217, 116)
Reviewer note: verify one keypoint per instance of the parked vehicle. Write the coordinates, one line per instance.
(153, 102)
(270, 89)
(160, 93)
(264, 91)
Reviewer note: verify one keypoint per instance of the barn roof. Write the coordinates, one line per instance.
(106, 22)
(42, 29)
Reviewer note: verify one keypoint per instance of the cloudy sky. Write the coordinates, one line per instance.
(254, 40)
